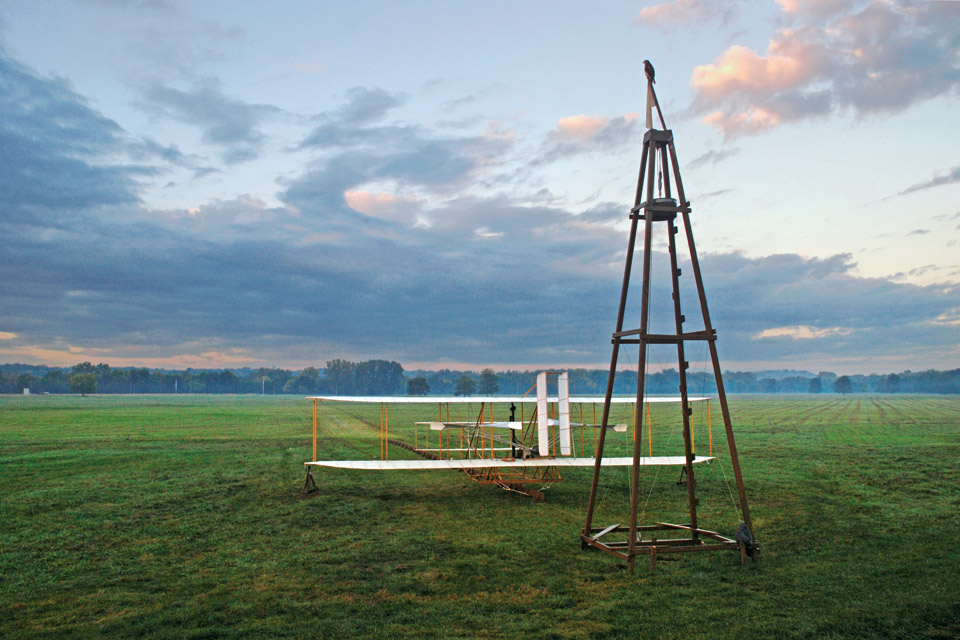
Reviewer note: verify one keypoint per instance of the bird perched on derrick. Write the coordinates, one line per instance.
(649, 72)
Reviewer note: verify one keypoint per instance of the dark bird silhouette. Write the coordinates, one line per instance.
(648, 70)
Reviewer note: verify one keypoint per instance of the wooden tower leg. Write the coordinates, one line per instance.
(628, 267)
(712, 346)
(642, 357)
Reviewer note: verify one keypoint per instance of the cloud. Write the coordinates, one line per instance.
(355, 149)
(455, 104)
(384, 205)
(345, 126)
(55, 150)
(367, 105)
(308, 68)
(366, 202)
(580, 127)
(819, 9)
(674, 14)
(713, 194)
(147, 4)
(951, 177)
(487, 280)
(851, 318)
(356, 145)
(713, 156)
(230, 124)
(873, 59)
(378, 250)
(951, 318)
(579, 134)
(803, 332)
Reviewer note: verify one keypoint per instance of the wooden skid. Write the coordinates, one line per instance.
(310, 487)
(515, 481)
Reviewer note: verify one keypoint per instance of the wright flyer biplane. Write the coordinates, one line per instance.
(526, 452)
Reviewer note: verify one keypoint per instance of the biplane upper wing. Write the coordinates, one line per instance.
(488, 399)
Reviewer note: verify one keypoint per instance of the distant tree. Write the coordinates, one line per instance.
(443, 382)
(488, 383)
(815, 386)
(138, 376)
(769, 385)
(305, 382)
(83, 367)
(891, 384)
(8, 381)
(379, 377)
(418, 386)
(55, 381)
(827, 378)
(740, 382)
(275, 379)
(27, 381)
(794, 384)
(466, 386)
(341, 377)
(83, 383)
(843, 385)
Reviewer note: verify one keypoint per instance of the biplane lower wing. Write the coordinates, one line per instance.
(495, 463)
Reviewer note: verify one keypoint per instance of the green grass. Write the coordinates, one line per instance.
(179, 517)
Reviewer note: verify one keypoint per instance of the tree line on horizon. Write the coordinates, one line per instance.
(383, 377)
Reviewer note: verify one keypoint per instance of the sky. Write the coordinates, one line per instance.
(238, 183)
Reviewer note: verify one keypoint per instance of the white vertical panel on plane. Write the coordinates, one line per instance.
(543, 429)
(563, 397)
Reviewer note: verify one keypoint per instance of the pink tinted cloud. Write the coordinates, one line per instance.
(790, 62)
(815, 8)
(369, 203)
(752, 120)
(881, 57)
(583, 134)
(580, 127)
(678, 13)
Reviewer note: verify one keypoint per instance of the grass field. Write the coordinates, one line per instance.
(179, 517)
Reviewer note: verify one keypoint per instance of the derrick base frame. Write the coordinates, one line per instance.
(698, 540)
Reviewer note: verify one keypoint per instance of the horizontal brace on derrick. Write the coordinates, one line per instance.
(658, 135)
(680, 208)
(661, 338)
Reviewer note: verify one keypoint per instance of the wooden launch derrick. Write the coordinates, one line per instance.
(670, 208)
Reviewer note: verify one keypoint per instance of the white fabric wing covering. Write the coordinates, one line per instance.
(488, 463)
(460, 400)
(543, 417)
(440, 426)
(563, 393)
